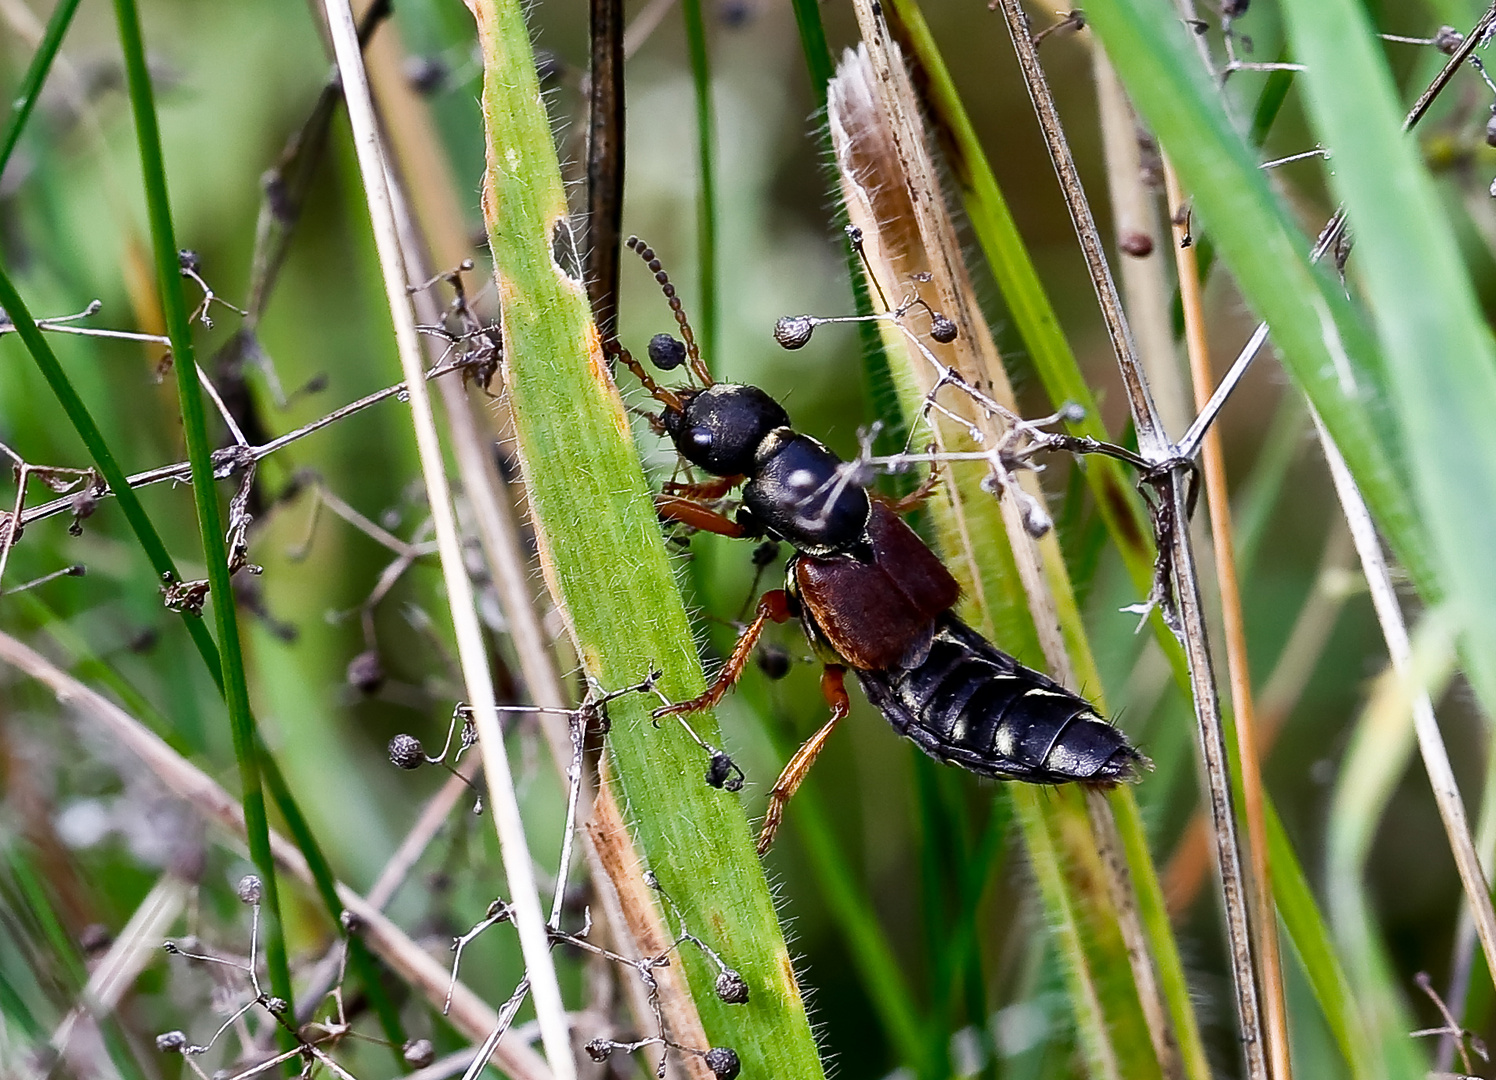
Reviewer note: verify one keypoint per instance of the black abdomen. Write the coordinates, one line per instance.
(972, 705)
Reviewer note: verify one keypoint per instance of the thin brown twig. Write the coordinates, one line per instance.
(1189, 863)
(1184, 608)
(1234, 627)
(227, 462)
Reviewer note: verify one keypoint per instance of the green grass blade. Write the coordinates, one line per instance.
(1310, 936)
(1056, 825)
(205, 494)
(1326, 347)
(26, 95)
(847, 900)
(14, 1009)
(706, 158)
(1441, 361)
(65, 952)
(604, 560)
(1376, 758)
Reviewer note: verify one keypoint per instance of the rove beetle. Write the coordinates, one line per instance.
(870, 595)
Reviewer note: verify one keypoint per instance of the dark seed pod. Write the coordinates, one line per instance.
(251, 890)
(419, 1053)
(1447, 39)
(351, 921)
(721, 772)
(94, 939)
(766, 553)
(734, 13)
(732, 988)
(1234, 9)
(171, 1042)
(1137, 244)
(406, 752)
(942, 329)
(277, 1006)
(1035, 521)
(426, 74)
(773, 661)
(793, 331)
(724, 1063)
(548, 66)
(599, 1050)
(365, 672)
(666, 353)
(189, 262)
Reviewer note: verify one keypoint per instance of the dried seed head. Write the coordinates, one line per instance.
(942, 329)
(1447, 39)
(599, 1050)
(426, 74)
(366, 672)
(793, 331)
(1234, 9)
(1036, 522)
(773, 661)
(1072, 412)
(94, 939)
(732, 988)
(251, 889)
(419, 1053)
(171, 1042)
(724, 1063)
(722, 773)
(277, 1006)
(352, 922)
(666, 353)
(189, 262)
(406, 752)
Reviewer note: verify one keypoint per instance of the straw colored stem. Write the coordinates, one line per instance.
(433, 205)
(1430, 740)
(1189, 865)
(503, 802)
(1135, 213)
(1234, 624)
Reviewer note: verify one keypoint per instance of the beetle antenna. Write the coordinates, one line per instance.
(663, 395)
(647, 253)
